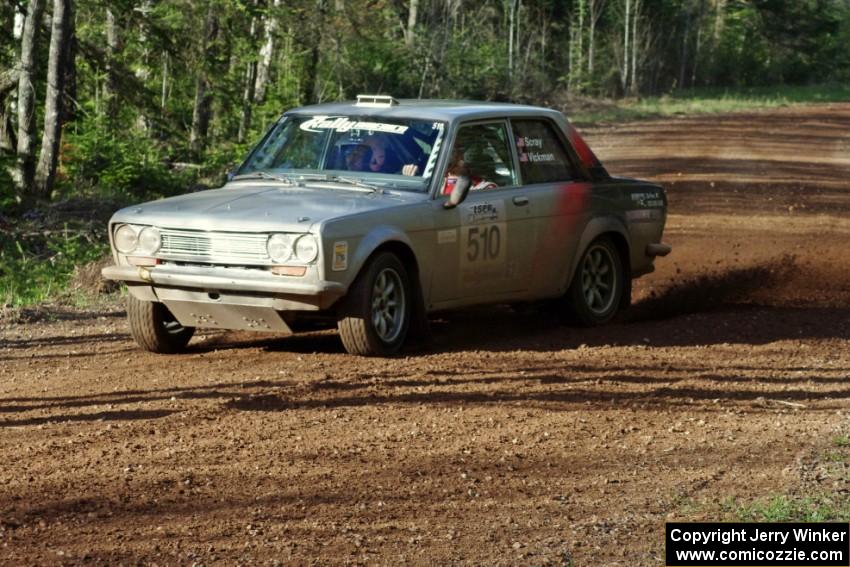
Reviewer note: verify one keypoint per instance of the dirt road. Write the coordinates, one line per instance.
(514, 440)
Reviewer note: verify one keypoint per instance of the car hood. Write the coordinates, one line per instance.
(261, 207)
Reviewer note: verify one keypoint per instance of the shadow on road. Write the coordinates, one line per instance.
(565, 399)
(128, 415)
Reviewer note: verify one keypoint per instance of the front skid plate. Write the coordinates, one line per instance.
(224, 316)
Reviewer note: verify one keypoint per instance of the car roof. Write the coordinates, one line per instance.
(430, 109)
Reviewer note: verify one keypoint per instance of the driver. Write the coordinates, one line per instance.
(384, 159)
(378, 163)
(358, 158)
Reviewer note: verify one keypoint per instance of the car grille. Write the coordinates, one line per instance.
(216, 247)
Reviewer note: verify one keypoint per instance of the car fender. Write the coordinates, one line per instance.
(595, 227)
(376, 237)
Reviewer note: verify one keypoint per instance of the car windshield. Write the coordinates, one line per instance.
(397, 153)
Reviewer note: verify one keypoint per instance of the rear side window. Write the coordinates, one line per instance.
(542, 156)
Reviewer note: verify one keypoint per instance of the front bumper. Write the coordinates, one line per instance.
(226, 298)
(222, 279)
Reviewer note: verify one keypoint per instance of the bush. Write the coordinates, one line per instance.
(36, 265)
(125, 164)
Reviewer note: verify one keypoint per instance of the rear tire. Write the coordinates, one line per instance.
(155, 329)
(596, 292)
(375, 315)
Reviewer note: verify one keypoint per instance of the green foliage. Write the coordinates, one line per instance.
(36, 266)
(706, 100)
(125, 164)
(222, 159)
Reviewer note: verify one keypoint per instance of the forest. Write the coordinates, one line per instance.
(124, 100)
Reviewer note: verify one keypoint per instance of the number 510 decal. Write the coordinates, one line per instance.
(483, 244)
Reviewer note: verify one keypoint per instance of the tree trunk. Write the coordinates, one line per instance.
(164, 92)
(511, 17)
(247, 101)
(719, 19)
(582, 9)
(24, 169)
(591, 39)
(425, 69)
(624, 74)
(266, 52)
(113, 46)
(517, 36)
(45, 174)
(200, 115)
(635, 16)
(308, 93)
(571, 46)
(69, 96)
(595, 13)
(412, 15)
(696, 57)
(143, 71)
(202, 110)
(683, 52)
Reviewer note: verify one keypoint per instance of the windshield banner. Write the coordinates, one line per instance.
(343, 124)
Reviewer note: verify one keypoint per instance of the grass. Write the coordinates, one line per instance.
(711, 100)
(818, 505)
(814, 503)
(36, 266)
(782, 508)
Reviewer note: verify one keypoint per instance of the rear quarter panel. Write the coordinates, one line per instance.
(640, 210)
(582, 212)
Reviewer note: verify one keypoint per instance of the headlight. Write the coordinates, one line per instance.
(126, 238)
(279, 247)
(306, 248)
(149, 240)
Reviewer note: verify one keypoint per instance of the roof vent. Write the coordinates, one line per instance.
(376, 101)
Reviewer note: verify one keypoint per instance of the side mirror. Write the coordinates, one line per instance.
(459, 192)
(231, 173)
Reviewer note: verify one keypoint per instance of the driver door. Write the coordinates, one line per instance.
(484, 244)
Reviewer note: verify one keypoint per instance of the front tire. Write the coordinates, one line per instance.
(598, 285)
(375, 315)
(155, 329)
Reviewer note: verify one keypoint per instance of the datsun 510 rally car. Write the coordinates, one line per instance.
(372, 214)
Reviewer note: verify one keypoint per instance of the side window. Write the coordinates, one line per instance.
(542, 157)
(482, 153)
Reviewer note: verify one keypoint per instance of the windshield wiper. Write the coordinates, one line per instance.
(265, 175)
(355, 182)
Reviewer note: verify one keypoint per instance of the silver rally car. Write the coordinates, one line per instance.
(372, 214)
